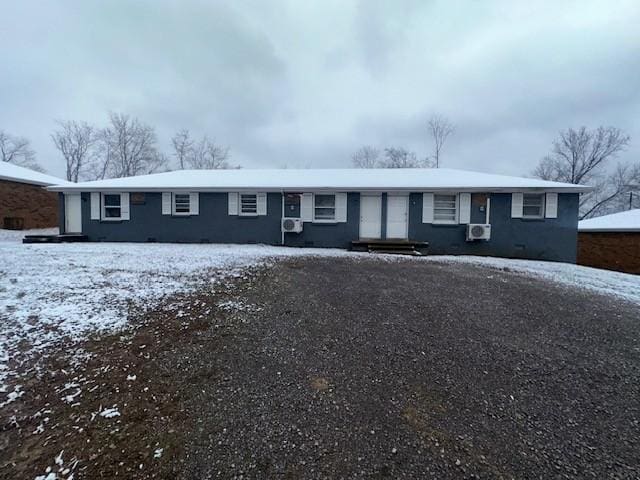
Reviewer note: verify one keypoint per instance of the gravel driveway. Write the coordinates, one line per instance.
(344, 368)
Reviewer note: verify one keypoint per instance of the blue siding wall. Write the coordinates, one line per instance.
(547, 239)
(337, 235)
(213, 224)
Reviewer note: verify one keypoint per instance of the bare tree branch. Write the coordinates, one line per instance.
(17, 150)
(400, 158)
(127, 148)
(581, 157)
(440, 128)
(76, 142)
(182, 147)
(366, 157)
(207, 155)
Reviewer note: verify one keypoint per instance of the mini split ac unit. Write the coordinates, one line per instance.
(478, 231)
(293, 225)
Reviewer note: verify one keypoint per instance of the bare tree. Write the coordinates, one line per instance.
(581, 157)
(611, 192)
(127, 148)
(366, 157)
(206, 154)
(183, 146)
(17, 150)
(76, 142)
(401, 158)
(440, 128)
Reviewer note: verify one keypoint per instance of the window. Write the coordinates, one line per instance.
(181, 204)
(532, 205)
(248, 204)
(111, 206)
(445, 208)
(324, 208)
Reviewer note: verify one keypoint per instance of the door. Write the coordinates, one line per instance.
(397, 216)
(371, 216)
(72, 213)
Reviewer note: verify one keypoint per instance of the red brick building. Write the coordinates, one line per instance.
(24, 203)
(611, 242)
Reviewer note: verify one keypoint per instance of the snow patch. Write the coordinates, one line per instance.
(622, 285)
(110, 412)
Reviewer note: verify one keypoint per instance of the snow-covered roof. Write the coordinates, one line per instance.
(407, 179)
(628, 221)
(14, 173)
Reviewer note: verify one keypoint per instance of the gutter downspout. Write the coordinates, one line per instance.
(281, 218)
(488, 209)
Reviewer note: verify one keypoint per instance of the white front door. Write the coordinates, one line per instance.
(371, 215)
(72, 213)
(397, 216)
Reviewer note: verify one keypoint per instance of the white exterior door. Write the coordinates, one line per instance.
(371, 216)
(72, 213)
(397, 216)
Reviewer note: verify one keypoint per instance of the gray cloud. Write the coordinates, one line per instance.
(304, 84)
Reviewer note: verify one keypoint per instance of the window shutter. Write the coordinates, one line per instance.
(341, 207)
(194, 203)
(464, 215)
(306, 207)
(427, 207)
(233, 203)
(551, 205)
(261, 202)
(124, 206)
(166, 203)
(95, 205)
(516, 205)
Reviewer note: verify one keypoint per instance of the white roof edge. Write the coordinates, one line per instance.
(310, 180)
(23, 180)
(17, 174)
(79, 188)
(624, 221)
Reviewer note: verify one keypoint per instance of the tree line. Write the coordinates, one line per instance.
(578, 156)
(129, 147)
(439, 129)
(125, 147)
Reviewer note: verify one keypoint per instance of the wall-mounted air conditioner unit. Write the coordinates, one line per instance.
(478, 231)
(292, 225)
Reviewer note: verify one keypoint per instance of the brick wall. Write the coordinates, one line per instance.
(37, 207)
(611, 250)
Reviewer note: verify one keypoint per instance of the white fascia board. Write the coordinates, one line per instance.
(79, 188)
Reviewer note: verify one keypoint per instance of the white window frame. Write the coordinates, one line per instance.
(247, 214)
(103, 207)
(453, 221)
(335, 207)
(542, 206)
(174, 197)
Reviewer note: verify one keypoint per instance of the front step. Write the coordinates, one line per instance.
(400, 247)
(64, 238)
(412, 252)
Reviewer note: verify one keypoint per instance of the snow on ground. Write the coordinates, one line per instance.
(58, 292)
(622, 285)
(51, 292)
(18, 235)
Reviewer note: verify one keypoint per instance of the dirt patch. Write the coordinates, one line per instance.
(320, 384)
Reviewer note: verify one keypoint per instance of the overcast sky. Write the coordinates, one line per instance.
(304, 84)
